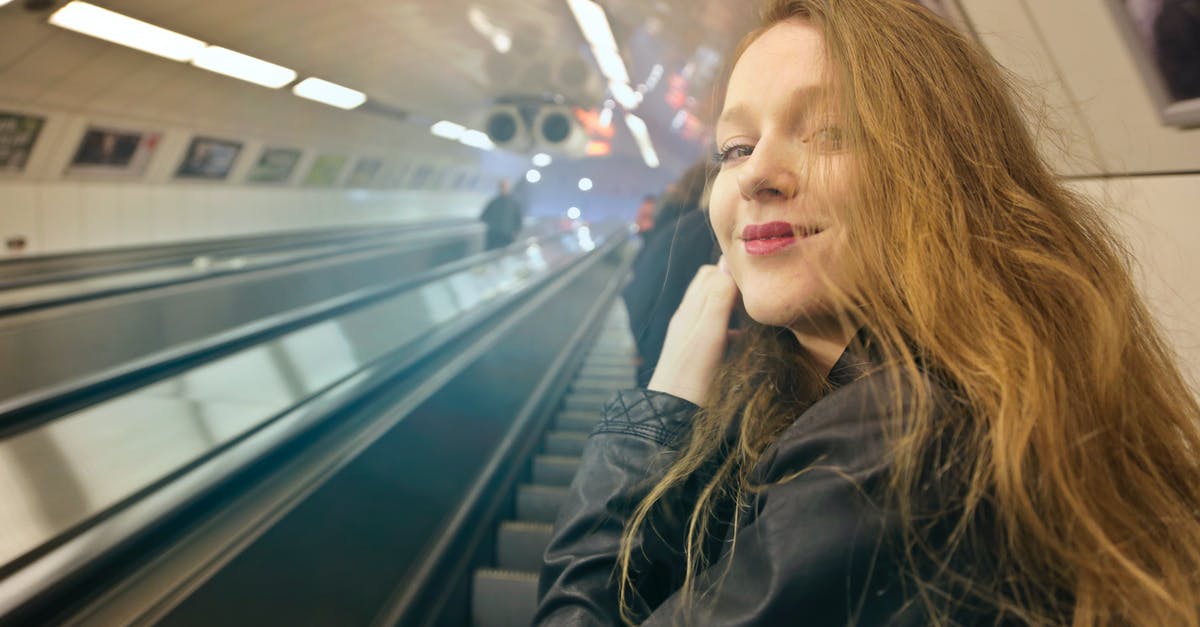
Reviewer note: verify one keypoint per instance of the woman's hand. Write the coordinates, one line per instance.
(697, 336)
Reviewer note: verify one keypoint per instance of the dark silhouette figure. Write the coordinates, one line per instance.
(503, 217)
(679, 243)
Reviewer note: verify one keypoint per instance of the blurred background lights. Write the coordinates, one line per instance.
(585, 184)
(573, 213)
(542, 160)
(533, 176)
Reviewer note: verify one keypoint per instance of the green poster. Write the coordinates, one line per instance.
(18, 134)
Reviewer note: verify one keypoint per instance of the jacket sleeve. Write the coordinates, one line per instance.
(626, 454)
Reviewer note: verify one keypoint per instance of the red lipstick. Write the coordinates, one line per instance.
(765, 239)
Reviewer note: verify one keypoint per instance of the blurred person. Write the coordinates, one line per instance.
(645, 215)
(679, 244)
(948, 403)
(503, 217)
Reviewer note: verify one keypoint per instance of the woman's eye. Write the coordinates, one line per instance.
(733, 152)
(829, 139)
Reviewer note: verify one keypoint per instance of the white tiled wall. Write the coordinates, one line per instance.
(1160, 220)
(1073, 58)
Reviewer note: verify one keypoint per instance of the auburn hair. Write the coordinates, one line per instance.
(1073, 465)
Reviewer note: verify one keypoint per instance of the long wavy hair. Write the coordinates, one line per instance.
(1072, 466)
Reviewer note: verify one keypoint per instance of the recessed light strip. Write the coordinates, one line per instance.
(593, 23)
(89, 19)
(92, 20)
(238, 65)
(461, 134)
(329, 93)
(641, 135)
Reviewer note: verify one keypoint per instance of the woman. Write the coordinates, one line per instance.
(948, 406)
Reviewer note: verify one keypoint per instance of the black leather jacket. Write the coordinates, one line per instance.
(814, 550)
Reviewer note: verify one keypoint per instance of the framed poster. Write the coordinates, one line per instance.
(113, 151)
(325, 170)
(209, 158)
(1164, 38)
(18, 134)
(397, 175)
(364, 172)
(420, 176)
(275, 165)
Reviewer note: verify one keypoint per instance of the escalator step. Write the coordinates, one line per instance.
(608, 383)
(610, 372)
(607, 361)
(520, 544)
(620, 353)
(539, 503)
(586, 402)
(589, 387)
(565, 443)
(554, 469)
(578, 423)
(503, 598)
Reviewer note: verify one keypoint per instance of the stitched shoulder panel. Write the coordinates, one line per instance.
(652, 415)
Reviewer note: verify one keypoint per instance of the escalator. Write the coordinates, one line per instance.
(504, 593)
(347, 466)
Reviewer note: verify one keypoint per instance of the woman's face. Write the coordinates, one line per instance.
(783, 178)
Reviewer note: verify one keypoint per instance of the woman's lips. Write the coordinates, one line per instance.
(772, 237)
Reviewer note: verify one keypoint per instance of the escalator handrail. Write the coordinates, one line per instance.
(411, 238)
(27, 410)
(160, 254)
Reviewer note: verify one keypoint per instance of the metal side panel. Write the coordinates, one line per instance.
(46, 348)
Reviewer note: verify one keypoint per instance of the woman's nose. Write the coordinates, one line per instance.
(770, 172)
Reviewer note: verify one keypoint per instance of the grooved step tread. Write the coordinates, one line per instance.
(579, 421)
(539, 503)
(503, 598)
(520, 544)
(554, 469)
(565, 443)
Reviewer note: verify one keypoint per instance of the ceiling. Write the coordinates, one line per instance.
(418, 60)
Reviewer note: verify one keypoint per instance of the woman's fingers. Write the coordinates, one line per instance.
(696, 337)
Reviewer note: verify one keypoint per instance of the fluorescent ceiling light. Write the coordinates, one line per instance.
(238, 65)
(542, 160)
(477, 139)
(594, 23)
(448, 130)
(612, 66)
(329, 93)
(459, 133)
(626, 95)
(502, 42)
(4, 2)
(89, 19)
(641, 135)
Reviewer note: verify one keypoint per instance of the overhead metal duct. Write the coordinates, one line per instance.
(506, 128)
(556, 129)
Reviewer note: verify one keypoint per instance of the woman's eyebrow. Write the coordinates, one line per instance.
(799, 101)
